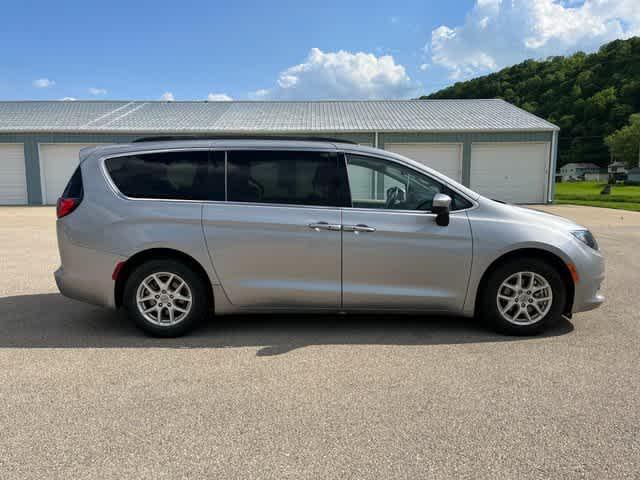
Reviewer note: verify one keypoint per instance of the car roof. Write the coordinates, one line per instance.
(150, 145)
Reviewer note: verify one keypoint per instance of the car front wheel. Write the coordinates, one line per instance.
(523, 297)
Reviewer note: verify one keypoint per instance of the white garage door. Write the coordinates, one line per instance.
(446, 158)
(511, 172)
(57, 163)
(13, 179)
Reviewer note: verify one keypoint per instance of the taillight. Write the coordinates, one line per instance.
(71, 196)
(66, 205)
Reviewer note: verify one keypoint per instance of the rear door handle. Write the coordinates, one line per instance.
(358, 228)
(334, 227)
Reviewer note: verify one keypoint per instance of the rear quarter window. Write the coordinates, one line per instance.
(180, 175)
(74, 188)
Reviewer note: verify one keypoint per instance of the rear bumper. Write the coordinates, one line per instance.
(76, 288)
(85, 274)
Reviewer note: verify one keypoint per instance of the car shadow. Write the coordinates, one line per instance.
(53, 321)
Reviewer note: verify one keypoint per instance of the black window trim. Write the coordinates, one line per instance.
(111, 184)
(114, 188)
(338, 153)
(107, 176)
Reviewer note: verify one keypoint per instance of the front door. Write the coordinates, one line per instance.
(276, 241)
(394, 254)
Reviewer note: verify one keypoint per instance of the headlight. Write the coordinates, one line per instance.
(586, 237)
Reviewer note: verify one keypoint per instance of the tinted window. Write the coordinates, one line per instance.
(378, 183)
(181, 175)
(286, 177)
(74, 188)
(459, 202)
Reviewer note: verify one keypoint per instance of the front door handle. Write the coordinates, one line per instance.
(358, 228)
(334, 227)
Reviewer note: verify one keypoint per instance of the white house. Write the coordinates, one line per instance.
(576, 171)
(618, 170)
(596, 177)
(633, 175)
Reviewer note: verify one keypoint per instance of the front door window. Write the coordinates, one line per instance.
(382, 184)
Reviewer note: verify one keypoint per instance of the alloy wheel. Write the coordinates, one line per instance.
(164, 299)
(524, 298)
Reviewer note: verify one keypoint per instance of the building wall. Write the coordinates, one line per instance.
(596, 177)
(633, 177)
(466, 139)
(32, 161)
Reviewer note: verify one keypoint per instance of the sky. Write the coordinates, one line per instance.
(298, 50)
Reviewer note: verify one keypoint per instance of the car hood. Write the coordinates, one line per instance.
(537, 217)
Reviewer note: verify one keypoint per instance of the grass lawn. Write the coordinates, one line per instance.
(624, 197)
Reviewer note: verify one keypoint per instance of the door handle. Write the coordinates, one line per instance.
(325, 226)
(358, 228)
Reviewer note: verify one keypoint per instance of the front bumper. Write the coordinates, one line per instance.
(591, 303)
(591, 269)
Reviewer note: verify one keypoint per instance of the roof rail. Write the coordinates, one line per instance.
(168, 138)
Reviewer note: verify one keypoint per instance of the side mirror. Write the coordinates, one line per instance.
(441, 207)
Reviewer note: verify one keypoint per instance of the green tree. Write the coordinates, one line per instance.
(624, 144)
(590, 96)
(601, 102)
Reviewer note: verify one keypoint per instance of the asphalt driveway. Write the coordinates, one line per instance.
(84, 395)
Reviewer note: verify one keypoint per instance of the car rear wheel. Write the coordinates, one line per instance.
(165, 298)
(523, 297)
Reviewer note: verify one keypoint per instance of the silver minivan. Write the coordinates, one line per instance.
(176, 230)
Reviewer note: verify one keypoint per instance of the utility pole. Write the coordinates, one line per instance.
(610, 169)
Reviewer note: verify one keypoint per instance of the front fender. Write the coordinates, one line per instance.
(493, 239)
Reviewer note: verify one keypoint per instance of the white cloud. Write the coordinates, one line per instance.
(68, 99)
(97, 91)
(342, 75)
(167, 97)
(219, 97)
(259, 94)
(498, 33)
(424, 67)
(43, 83)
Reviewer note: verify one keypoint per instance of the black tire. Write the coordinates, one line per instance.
(488, 307)
(200, 299)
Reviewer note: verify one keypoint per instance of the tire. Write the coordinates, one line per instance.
(537, 314)
(172, 319)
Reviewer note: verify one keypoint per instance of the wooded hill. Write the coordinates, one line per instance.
(588, 96)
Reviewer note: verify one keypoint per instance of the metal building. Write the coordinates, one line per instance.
(495, 148)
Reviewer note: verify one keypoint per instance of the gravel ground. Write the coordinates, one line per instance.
(84, 395)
